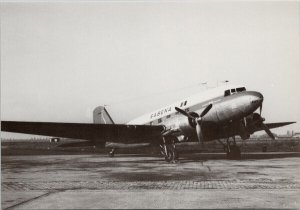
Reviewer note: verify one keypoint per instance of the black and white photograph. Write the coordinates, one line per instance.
(150, 104)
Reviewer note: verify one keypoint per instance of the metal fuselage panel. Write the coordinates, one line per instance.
(233, 107)
(221, 121)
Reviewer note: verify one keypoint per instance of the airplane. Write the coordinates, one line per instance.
(216, 114)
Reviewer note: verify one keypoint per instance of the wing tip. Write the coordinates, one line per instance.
(288, 123)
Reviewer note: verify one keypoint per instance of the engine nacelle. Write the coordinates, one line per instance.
(187, 125)
(253, 121)
(254, 118)
(244, 134)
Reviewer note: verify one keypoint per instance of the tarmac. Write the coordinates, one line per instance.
(269, 180)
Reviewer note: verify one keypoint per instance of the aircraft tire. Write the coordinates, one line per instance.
(170, 153)
(176, 154)
(234, 154)
(169, 156)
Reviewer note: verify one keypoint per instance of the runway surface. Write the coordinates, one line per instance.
(135, 181)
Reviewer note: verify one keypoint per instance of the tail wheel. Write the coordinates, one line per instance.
(112, 153)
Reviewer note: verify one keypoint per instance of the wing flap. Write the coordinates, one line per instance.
(87, 131)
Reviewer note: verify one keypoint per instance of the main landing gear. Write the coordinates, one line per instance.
(168, 150)
(233, 152)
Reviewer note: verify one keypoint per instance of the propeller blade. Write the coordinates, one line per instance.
(184, 113)
(268, 131)
(199, 133)
(260, 108)
(206, 110)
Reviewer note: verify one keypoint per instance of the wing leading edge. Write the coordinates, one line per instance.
(87, 131)
(273, 125)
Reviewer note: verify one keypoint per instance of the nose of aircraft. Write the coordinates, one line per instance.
(256, 98)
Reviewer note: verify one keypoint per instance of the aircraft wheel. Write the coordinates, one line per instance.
(234, 153)
(170, 153)
(176, 155)
(168, 150)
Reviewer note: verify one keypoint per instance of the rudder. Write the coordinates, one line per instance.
(101, 116)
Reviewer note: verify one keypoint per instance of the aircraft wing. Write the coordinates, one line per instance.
(273, 125)
(87, 131)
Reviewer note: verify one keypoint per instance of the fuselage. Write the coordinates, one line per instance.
(231, 103)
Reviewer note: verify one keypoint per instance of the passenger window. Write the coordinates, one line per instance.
(232, 90)
(159, 120)
(185, 103)
(168, 116)
(227, 93)
(151, 122)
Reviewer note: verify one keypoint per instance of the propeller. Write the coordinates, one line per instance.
(260, 108)
(266, 129)
(204, 112)
(197, 120)
(184, 113)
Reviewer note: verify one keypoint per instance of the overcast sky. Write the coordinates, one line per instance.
(61, 60)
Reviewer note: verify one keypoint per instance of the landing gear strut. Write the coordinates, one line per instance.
(168, 150)
(233, 152)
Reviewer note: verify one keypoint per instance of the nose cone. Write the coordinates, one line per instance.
(256, 99)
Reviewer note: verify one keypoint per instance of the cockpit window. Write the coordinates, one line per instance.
(241, 89)
(233, 90)
(227, 93)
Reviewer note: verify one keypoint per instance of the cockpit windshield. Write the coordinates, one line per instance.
(234, 90)
(241, 89)
(227, 93)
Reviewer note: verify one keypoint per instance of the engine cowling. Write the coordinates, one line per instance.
(244, 134)
(253, 121)
(187, 125)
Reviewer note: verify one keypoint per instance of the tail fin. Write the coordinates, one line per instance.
(101, 116)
